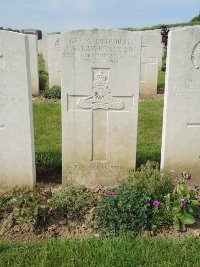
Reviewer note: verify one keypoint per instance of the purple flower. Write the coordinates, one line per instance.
(156, 203)
(111, 193)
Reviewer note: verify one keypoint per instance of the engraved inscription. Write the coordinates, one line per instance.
(57, 44)
(196, 56)
(100, 50)
(4, 99)
(185, 87)
(101, 96)
(2, 62)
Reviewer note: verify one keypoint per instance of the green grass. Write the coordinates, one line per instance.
(161, 81)
(149, 131)
(41, 63)
(123, 251)
(47, 125)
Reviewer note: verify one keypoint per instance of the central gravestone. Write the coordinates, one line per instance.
(100, 72)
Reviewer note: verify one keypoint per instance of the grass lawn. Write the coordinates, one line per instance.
(47, 126)
(123, 251)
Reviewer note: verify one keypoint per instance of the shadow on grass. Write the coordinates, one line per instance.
(49, 167)
(142, 158)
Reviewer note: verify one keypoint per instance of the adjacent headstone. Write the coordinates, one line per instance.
(181, 123)
(100, 88)
(33, 52)
(54, 59)
(40, 49)
(149, 62)
(161, 50)
(17, 157)
(44, 48)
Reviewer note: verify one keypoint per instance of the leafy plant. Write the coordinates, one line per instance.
(26, 204)
(161, 216)
(183, 203)
(74, 201)
(53, 92)
(123, 209)
(164, 33)
(43, 80)
(157, 184)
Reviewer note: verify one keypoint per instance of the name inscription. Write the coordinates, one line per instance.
(100, 50)
(4, 99)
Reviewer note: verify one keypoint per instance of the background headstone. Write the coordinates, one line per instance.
(54, 59)
(181, 122)
(33, 52)
(149, 62)
(44, 48)
(100, 88)
(40, 49)
(17, 157)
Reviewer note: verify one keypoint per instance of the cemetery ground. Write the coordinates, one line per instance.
(28, 222)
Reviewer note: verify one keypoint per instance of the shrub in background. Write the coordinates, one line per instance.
(124, 209)
(73, 201)
(43, 80)
(53, 92)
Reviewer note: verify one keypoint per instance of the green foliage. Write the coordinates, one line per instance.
(53, 92)
(149, 131)
(124, 209)
(183, 203)
(161, 216)
(152, 181)
(182, 24)
(102, 252)
(196, 19)
(47, 133)
(74, 201)
(43, 80)
(25, 204)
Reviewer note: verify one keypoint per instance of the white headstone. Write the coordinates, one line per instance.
(17, 157)
(181, 122)
(40, 49)
(100, 88)
(33, 52)
(44, 47)
(54, 59)
(149, 62)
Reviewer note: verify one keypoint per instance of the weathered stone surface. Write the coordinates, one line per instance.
(54, 59)
(17, 157)
(150, 57)
(33, 54)
(181, 123)
(44, 48)
(100, 87)
(40, 49)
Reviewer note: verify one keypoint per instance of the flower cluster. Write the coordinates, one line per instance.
(184, 201)
(186, 175)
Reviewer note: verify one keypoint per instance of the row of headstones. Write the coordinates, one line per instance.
(100, 92)
(151, 59)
